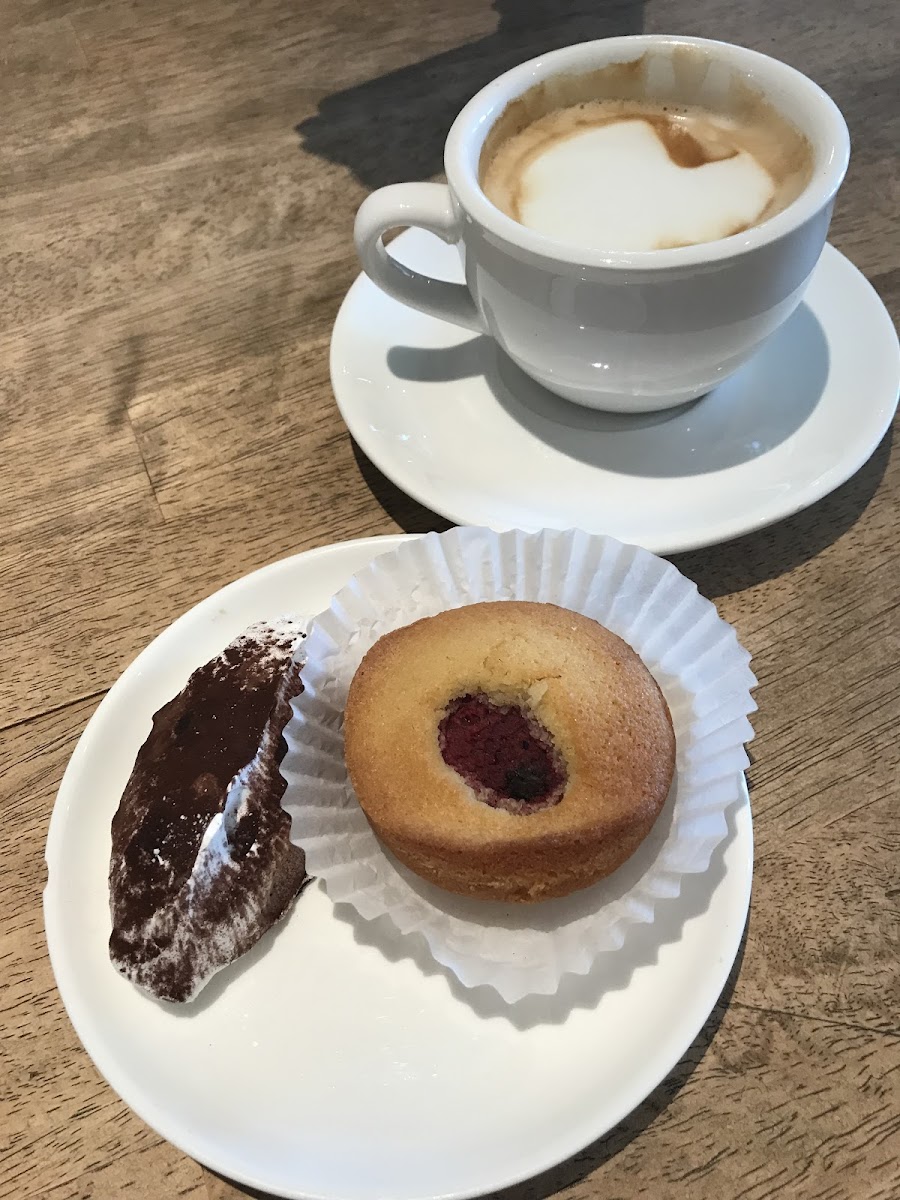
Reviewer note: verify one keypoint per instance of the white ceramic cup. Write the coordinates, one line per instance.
(626, 331)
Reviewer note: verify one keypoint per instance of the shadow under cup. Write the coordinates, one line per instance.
(624, 331)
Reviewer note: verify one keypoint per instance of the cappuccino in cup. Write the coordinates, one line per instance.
(635, 215)
(618, 159)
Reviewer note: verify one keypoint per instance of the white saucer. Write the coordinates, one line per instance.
(328, 1064)
(456, 425)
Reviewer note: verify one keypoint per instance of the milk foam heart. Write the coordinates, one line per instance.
(632, 173)
(616, 186)
(580, 312)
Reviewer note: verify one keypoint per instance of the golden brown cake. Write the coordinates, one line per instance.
(508, 751)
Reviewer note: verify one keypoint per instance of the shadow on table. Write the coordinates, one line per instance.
(408, 513)
(717, 570)
(747, 561)
(393, 127)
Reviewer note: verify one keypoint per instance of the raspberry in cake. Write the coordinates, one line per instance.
(508, 750)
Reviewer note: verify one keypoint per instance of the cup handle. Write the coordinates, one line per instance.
(427, 206)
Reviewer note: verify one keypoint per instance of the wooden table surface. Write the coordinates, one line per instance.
(178, 186)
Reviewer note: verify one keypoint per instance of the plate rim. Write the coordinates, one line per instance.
(122, 1082)
(827, 482)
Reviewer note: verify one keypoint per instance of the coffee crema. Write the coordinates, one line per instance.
(628, 171)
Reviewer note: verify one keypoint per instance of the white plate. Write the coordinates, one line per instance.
(327, 1063)
(459, 427)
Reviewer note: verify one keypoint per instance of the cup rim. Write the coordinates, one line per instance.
(478, 116)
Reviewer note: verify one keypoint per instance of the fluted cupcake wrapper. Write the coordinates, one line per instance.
(695, 657)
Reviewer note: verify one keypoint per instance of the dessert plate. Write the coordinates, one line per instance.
(335, 1061)
(451, 420)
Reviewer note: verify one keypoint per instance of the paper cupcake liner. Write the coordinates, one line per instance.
(695, 657)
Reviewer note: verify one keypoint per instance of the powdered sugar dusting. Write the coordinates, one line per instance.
(193, 885)
(269, 643)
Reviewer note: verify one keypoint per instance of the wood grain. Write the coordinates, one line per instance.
(177, 188)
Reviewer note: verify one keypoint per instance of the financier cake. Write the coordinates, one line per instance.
(202, 863)
(508, 751)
